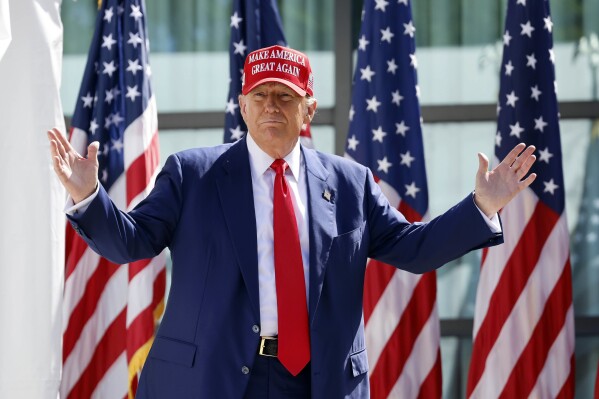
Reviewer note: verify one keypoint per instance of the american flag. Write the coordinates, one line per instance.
(523, 323)
(110, 310)
(254, 24)
(400, 308)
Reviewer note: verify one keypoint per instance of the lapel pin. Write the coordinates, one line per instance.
(327, 195)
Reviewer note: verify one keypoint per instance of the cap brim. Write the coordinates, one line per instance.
(287, 83)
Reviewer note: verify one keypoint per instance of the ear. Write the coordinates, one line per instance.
(310, 111)
(242, 105)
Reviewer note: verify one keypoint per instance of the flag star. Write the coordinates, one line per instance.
(109, 96)
(417, 89)
(506, 38)
(235, 20)
(231, 107)
(413, 61)
(555, 86)
(106, 149)
(550, 186)
(521, 2)
(93, 126)
(527, 29)
(134, 39)
(545, 155)
(352, 112)
(548, 23)
(509, 68)
(535, 92)
(498, 109)
(148, 70)
(239, 47)
(540, 124)
(372, 104)
(134, 66)
(406, 159)
(362, 43)
(384, 165)
(404, 2)
(132, 93)
(108, 13)
(378, 134)
(409, 29)
(120, 9)
(511, 99)
(498, 139)
(367, 73)
(591, 237)
(352, 143)
(108, 41)
(531, 61)
(104, 175)
(87, 100)
(136, 12)
(411, 189)
(516, 129)
(552, 55)
(117, 118)
(401, 128)
(109, 68)
(237, 133)
(381, 4)
(387, 35)
(95, 98)
(594, 219)
(117, 145)
(396, 97)
(108, 121)
(391, 66)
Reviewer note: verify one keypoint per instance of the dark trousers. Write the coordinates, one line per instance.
(270, 380)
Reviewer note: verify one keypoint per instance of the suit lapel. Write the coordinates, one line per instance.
(322, 224)
(234, 182)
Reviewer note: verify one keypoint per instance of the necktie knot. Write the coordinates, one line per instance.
(279, 166)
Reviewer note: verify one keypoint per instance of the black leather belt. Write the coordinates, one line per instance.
(269, 346)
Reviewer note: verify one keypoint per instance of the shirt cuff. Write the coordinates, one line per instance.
(493, 222)
(73, 209)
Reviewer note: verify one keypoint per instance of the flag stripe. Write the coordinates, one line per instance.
(526, 310)
(88, 304)
(399, 346)
(432, 386)
(114, 382)
(510, 286)
(107, 351)
(139, 174)
(518, 214)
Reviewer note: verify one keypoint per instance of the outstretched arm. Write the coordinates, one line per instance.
(495, 188)
(77, 174)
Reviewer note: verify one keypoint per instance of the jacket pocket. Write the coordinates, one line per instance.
(174, 351)
(359, 363)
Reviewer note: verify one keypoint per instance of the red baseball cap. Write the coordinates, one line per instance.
(278, 64)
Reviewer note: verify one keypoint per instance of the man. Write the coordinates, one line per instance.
(269, 242)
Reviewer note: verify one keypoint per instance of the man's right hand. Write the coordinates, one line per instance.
(77, 174)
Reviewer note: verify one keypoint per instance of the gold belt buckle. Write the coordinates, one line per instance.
(263, 344)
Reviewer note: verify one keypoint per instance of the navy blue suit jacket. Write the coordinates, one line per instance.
(202, 209)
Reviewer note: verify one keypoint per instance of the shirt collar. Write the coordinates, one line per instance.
(260, 161)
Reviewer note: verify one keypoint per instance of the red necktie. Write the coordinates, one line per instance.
(292, 310)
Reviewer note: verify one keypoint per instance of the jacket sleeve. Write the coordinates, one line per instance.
(142, 233)
(422, 247)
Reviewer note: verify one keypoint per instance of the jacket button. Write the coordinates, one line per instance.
(255, 328)
(245, 370)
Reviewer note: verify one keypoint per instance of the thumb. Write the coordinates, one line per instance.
(483, 163)
(92, 151)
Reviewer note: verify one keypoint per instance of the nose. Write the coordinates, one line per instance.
(271, 103)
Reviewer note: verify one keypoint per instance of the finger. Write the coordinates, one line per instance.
(523, 157)
(525, 167)
(57, 137)
(513, 155)
(528, 181)
(483, 163)
(92, 151)
(62, 140)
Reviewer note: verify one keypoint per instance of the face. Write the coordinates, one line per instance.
(274, 115)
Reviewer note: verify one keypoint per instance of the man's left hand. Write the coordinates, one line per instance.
(495, 188)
